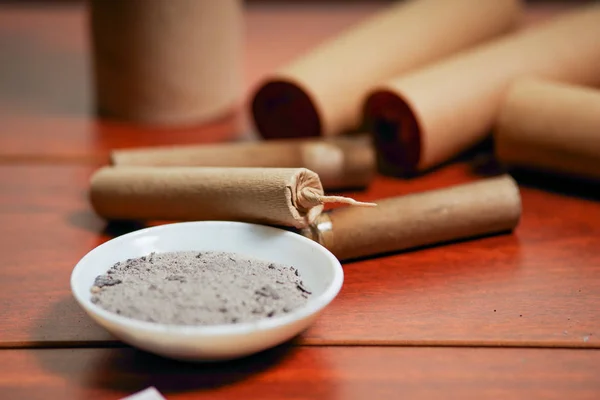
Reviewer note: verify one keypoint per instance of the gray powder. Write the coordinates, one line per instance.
(192, 288)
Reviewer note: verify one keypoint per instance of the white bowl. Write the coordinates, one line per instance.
(320, 271)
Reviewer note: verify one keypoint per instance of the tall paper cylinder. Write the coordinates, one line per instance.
(279, 196)
(464, 211)
(422, 119)
(320, 93)
(340, 162)
(166, 62)
(550, 126)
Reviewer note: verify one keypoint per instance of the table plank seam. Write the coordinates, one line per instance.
(329, 343)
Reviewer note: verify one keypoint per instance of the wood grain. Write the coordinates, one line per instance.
(537, 287)
(306, 373)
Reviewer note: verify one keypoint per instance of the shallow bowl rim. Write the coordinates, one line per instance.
(313, 306)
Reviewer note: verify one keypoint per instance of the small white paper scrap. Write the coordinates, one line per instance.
(147, 394)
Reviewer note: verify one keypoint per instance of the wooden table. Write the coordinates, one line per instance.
(508, 316)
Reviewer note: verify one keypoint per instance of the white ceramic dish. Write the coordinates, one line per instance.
(320, 271)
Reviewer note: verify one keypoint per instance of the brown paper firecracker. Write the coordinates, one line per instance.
(165, 62)
(470, 210)
(340, 162)
(321, 92)
(279, 196)
(550, 126)
(425, 118)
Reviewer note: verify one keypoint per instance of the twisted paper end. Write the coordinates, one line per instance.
(310, 197)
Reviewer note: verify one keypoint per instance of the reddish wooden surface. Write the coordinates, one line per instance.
(539, 286)
(307, 373)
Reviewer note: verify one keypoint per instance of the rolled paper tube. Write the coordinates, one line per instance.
(280, 196)
(550, 126)
(164, 62)
(481, 208)
(339, 162)
(321, 92)
(424, 118)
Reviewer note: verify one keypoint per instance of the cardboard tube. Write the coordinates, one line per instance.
(427, 117)
(285, 196)
(321, 92)
(399, 223)
(550, 126)
(165, 62)
(339, 162)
